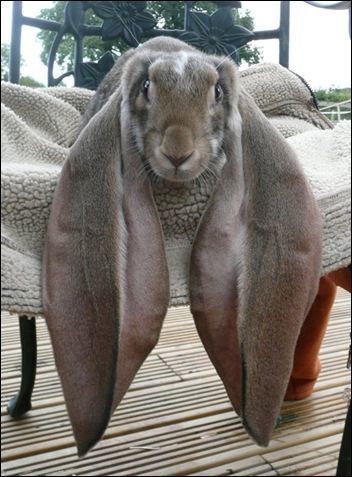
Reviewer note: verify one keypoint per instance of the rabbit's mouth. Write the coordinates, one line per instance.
(205, 162)
(177, 155)
(178, 169)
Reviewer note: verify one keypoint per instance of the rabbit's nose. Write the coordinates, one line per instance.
(177, 161)
(177, 144)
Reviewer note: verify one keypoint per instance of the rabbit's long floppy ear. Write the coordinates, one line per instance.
(90, 276)
(146, 278)
(255, 268)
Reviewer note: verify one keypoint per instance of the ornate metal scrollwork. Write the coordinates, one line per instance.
(128, 20)
(131, 22)
(216, 33)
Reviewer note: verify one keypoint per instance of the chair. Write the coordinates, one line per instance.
(20, 404)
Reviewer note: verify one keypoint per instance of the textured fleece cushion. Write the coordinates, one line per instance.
(38, 126)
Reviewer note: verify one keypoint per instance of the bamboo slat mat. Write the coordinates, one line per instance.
(176, 419)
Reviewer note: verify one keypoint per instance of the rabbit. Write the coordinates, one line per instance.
(174, 112)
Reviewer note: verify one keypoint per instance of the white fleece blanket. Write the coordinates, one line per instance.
(38, 126)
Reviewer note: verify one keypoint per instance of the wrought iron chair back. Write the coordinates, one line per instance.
(133, 23)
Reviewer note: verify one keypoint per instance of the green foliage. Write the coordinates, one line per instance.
(93, 46)
(29, 81)
(170, 15)
(249, 54)
(5, 61)
(333, 95)
(5, 55)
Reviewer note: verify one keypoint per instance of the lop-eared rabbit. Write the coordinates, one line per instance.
(171, 112)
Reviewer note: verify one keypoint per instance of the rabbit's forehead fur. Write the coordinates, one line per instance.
(187, 73)
(184, 72)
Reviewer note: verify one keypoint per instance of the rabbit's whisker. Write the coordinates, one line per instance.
(230, 54)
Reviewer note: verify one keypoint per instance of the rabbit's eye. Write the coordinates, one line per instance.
(146, 85)
(218, 92)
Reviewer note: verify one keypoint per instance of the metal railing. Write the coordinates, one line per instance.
(74, 24)
(226, 40)
(337, 112)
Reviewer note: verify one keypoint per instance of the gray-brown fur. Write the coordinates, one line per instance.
(106, 88)
(256, 256)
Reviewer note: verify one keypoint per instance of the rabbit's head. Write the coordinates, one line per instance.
(180, 106)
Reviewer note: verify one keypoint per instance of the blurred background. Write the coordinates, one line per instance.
(320, 48)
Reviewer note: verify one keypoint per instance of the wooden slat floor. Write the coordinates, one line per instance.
(176, 419)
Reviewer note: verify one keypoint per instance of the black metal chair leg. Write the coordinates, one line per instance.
(344, 464)
(21, 403)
